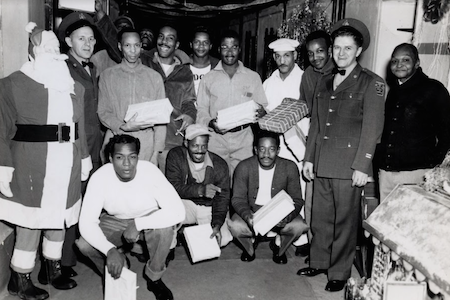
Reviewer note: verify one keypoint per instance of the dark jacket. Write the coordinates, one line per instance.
(179, 175)
(346, 124)
(180, 90)
(246, 184)
(94, 134)
(108, 32)
(416, 131)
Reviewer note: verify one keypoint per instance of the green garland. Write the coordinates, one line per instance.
(305, 18)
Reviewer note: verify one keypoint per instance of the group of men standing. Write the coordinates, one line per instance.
(203, 169)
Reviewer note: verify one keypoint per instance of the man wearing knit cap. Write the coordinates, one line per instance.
(285, 83)
(346, 124)
(44, 159)
(202, 180)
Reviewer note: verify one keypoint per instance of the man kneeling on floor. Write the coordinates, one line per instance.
(202, 179)
(138, 203)
(256, 180)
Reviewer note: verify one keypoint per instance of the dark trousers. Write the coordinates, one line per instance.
(288, 234)
(334, 225)
(69, 257)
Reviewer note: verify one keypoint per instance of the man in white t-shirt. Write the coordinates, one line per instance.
(201, 61)
(257, 180)
(139, 204)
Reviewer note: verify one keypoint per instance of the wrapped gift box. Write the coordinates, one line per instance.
(284, 116)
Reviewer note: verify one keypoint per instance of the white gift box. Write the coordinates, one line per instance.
(237, 115)
(78, 5)
(155, 111)
(265, 218)
(201, 245)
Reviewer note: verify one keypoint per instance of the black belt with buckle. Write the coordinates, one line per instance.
(239, 128)
(44, 133)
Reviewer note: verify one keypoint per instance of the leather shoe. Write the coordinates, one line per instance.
(302, 250)
(310, 272)
(278, 259)
(68, 271)
(246, 257)
(335, 285)
(160, 290)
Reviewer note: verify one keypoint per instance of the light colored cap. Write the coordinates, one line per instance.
(284, 45)
(194, 130)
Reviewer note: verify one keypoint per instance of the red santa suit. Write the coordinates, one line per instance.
(42, 169)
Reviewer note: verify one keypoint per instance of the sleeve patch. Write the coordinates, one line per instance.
(379, 88)
(368, 155)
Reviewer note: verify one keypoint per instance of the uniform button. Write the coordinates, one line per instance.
(325, 138)
(350, 96)
(333, 97)
(394, 119)
(397, 106)
(389, 156)
(330, 110)
(392, 132)
(328, 124)
(349, 145)
(389, 145)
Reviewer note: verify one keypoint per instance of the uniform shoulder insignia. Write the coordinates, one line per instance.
(379, 88)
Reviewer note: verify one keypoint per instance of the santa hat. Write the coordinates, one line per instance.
(38, 36)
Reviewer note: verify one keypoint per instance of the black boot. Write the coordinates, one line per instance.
(20, 284)
(160, 290)
(51, 273)
(279, 259)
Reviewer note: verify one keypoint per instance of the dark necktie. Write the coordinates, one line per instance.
(89, 64)
(336, 70)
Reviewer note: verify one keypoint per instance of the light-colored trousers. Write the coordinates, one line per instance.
(27, 243)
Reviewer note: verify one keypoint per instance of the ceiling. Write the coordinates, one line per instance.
(198, 9)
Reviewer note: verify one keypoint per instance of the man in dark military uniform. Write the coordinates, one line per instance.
(346, 124)
(78, 32)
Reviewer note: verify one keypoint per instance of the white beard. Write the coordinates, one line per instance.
(50, 70)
